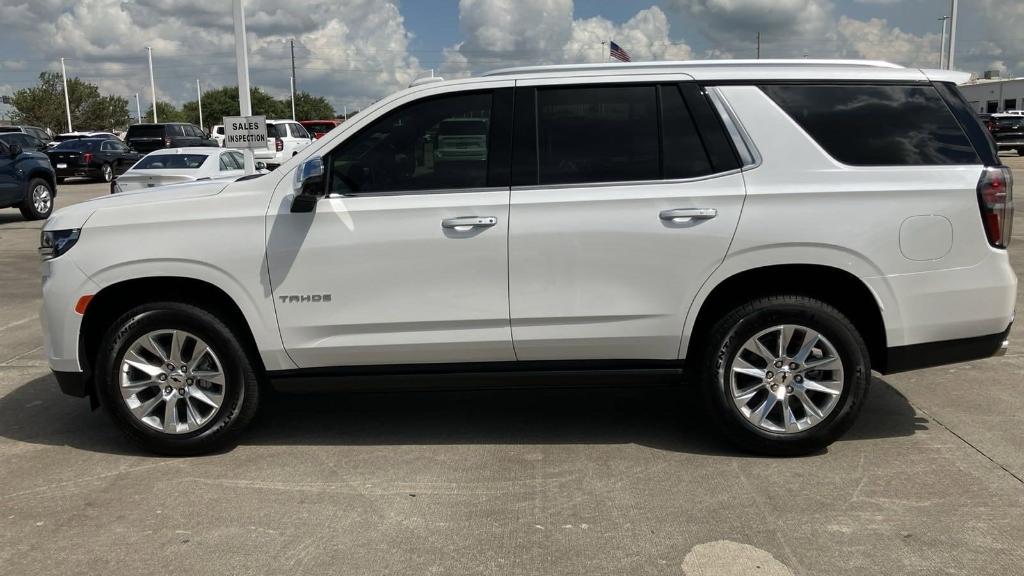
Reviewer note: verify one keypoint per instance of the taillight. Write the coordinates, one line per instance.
(87, 158)
(995, 197)
(167, 141)
(278, 144)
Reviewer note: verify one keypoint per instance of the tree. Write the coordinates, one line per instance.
(43, 105)
(165, 112)
(221, 102)
(309, 107)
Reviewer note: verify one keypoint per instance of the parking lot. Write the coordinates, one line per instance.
(620, 479)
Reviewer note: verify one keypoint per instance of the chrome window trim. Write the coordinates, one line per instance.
(628, 182)
(749, 154)
(431, 191)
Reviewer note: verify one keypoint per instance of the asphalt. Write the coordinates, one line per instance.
(610, 480)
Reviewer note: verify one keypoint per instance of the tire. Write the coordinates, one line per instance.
(1020, 151)
(106, 172)
(197, 427)
(728, 374)
(38, 202)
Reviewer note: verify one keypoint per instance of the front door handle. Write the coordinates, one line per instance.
(678, 214)
(469, 222)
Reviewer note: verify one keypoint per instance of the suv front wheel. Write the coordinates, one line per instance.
(784, 375)
(176, 379)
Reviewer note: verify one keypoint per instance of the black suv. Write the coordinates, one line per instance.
(26, 181)
(1008, 131)
(148, 137)
(32, 131)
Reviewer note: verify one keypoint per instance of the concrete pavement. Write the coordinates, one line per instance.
(596, 481)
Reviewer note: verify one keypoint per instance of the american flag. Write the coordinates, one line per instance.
(617, 52)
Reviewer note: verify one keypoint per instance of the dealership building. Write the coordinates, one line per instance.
(991, 94)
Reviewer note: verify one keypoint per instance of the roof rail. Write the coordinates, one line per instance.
(425, 80)
(690, 64)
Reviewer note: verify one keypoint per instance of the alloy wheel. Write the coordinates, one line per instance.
(172, 381)
(108, 173)
(786, 379)
(41, 199)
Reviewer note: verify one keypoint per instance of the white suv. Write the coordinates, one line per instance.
(775, 230)
(285, 138)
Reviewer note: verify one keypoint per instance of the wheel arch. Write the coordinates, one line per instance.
(115, 299)
(49, 176)
(834, 286)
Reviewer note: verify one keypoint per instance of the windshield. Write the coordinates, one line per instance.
(78, 144)
(165, 161)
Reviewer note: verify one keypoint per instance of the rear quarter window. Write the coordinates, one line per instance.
(877, 125)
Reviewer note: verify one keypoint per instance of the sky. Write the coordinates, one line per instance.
(356, 51)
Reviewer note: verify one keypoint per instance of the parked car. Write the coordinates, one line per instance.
(27, 180)
(80, 135)
(34, 131)
(178, 165)
(284, 139)
(773, 242)
(25, 140)
(1008, 131)
(146, 138)
(98, 158)
(320, 127)
(217, 135)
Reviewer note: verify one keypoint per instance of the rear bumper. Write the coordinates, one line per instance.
(916, 356)
(77, 171)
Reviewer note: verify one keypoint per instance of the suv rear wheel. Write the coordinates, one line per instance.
(784, 375)
(38, 203)
(107, 172)
(176, 379)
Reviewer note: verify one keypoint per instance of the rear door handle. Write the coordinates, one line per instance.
(469, 222)
(678, 214)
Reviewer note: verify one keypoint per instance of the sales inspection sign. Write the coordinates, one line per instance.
(245, 131)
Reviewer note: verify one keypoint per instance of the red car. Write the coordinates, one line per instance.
(320, 127)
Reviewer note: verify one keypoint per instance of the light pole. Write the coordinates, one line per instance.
(152, 83)
(138, 108)
(952, 35)
(942, 42)
(199, 96)
(67, 100)
(242, 63)
(292, 81)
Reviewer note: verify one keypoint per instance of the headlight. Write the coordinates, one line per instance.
(53, 243)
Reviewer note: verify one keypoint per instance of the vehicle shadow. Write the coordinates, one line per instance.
(632, 411)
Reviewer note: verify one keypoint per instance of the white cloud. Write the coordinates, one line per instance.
(351, 51)
(732, 25)
(501, 33)
(875, 39)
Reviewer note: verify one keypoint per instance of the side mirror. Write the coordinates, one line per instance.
(309, 185)
(261, 165)
(15, 150)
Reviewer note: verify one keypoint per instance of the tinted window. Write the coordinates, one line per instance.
(298, 131)
(602, 134)
(9, 129)
(320, 126)
(407, 150)
(237, 160)
(229, 162)
(76, 145)
(107, 147)
(165, 161)
(276, 131)
(877, 125)
(145, 131)
(683, 152)
(19, 139)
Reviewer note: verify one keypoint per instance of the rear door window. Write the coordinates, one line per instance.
(597, 134)
(877, 125)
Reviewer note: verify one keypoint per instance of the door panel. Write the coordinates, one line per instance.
(596, 273)
(402, 289)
